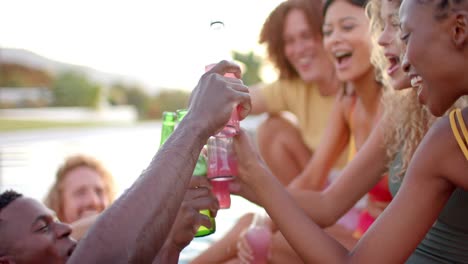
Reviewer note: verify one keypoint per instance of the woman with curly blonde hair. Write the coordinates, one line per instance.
(82, 187)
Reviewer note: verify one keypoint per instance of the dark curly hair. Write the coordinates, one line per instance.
(7, 197)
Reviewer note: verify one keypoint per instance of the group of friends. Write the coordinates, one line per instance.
(379, 85)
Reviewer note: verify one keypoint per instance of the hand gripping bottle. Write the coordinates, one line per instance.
(259, 238)
(200, 170)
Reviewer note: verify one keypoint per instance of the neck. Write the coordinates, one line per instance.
(367, 90)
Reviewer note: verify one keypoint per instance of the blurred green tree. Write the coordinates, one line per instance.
(252, 64)
(137, 97)
(167, 100)
(74, 89)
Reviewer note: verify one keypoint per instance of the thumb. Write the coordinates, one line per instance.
(241, 140)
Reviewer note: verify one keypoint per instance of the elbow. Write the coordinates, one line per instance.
(329, 216)
(328, 220)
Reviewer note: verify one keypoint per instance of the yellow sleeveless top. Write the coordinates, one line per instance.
(456, 116)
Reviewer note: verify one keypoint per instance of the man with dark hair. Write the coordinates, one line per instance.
(7, 197)
(137, 227)
(29, 232)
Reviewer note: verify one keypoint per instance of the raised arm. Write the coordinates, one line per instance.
(354, 181)
(396, 233)
(327, 206)
(259, 104)
(140, 220)
(332, 145)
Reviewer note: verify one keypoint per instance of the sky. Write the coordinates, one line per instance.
(160, 43)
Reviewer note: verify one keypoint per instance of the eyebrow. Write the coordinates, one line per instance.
(347, 18)
(44, 217)
(40, 218)
(342, 20)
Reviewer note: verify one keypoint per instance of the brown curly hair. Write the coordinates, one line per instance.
(275, 22)
(54, 198)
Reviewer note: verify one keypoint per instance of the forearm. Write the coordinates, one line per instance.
(167, 255)
(137, 224)
(354, 181)
(316, 206)
(307, 239)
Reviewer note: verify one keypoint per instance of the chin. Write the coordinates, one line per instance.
(437, 109)
(400, 85)
(309, 77)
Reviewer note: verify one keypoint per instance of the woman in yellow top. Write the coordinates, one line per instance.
(306, 88)
(436, 34)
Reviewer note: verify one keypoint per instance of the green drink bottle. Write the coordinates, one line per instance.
(168, 125)
(200, 170)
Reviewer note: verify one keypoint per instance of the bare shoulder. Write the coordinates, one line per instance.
(441, 155)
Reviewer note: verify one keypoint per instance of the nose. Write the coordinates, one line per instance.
(93, 200)
(62, 230)
(298, 46)
(384, 38)
(405, 63)
(334, 37)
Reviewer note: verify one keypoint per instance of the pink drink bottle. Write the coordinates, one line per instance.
(222, 167)
(222, 164)
(259, 238)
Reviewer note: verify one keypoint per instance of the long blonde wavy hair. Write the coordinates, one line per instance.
(406, 119)
(54, 199)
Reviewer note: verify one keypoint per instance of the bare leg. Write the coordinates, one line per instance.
(225, 249)
(282, 148)
(282, 252)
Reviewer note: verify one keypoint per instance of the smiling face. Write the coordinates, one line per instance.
(303, 49)
(435, 57)
(347, 40)
(392, 45)
(33, 234)
(83, 192)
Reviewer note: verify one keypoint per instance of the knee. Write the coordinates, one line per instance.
(271, 128)
(276, 129)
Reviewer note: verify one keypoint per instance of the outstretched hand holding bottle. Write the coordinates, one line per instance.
(216, 96)
(255, 242)
(254, 175)
(197, 197)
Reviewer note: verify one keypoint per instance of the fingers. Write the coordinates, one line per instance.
(235, 186)
(203, 220)
(199, 181)
(200, 199)
(242, 145)
(244, 252)
(224, 67)
(244, 105)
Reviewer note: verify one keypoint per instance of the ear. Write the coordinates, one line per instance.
(460, 29)
(6, 260)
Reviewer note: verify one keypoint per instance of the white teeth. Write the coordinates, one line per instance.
(304, 60)
(416, 81)
(340, 54)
